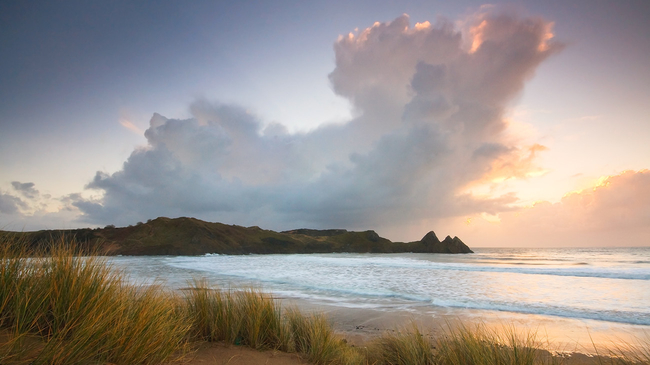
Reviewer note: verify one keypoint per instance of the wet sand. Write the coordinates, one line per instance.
(556, 334)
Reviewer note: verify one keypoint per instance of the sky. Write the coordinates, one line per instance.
(507, 124)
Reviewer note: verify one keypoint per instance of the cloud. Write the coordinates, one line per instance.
(10, 204)
(130, 126)
(13, 205)
(26, 189)
(36, 211)
(429, 122)
(586, 118)
(618, 202)
(614, 212)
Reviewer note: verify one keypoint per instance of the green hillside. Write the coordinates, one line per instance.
(190, 236)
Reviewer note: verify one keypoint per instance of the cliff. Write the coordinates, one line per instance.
(190, 236)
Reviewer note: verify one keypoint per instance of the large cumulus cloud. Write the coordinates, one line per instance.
(429, 103)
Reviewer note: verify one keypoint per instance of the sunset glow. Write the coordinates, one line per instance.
(506, 124)
(476, 33)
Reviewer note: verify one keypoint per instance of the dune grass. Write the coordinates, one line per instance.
(480, 345)
(250, 317)
(313, 336)
(406, 347)
(637, 353)
(245, 317)
(63, 308)
(70, 309)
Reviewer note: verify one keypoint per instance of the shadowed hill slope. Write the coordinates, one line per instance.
(190, 236)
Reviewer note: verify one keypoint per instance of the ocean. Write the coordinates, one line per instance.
(597, 284)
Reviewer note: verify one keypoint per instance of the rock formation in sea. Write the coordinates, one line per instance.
(448, 245)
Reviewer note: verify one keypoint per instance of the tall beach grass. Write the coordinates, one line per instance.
(69, 309)
(58, 307)
(250, 317)
(480, 345)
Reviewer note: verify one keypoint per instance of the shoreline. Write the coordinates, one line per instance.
(560, 335)
(575, 342)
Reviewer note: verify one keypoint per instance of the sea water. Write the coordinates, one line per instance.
(602, 284)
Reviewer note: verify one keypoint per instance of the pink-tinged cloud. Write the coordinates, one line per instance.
(618, 202)
(131, 127)
(615, 212)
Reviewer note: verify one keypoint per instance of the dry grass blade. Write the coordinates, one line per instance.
(405, 347)
(481, 345)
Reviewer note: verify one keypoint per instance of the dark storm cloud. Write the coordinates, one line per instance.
(430, 101)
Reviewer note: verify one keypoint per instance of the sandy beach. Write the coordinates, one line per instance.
(558, 334)
(222, 354)
(578, 341)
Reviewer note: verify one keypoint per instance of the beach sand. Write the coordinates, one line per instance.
(558, 334)
(221, 354)
(577, 340)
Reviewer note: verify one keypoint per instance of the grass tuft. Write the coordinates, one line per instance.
(637, 353)
(313, 336)
(250, 317)
(247, 317)
(480, 345)
(406, 347)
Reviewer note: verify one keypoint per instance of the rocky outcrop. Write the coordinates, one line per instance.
(430, 239)
(448, 245)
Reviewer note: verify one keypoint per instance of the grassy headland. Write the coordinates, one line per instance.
(190, 236)
(62, 308)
